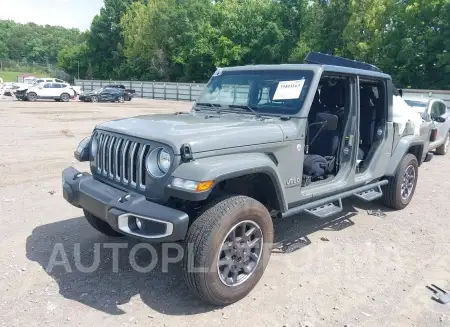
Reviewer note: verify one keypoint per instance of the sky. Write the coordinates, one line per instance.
(66, 13)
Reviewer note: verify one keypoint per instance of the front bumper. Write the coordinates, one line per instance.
(122, 209)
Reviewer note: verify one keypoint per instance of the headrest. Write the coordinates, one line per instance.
(332, 95)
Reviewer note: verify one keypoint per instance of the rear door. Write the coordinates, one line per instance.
(107, 95)
(438, 111)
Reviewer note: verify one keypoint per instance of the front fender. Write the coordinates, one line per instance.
(225, 167)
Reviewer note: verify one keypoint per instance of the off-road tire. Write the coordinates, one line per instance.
(65, 97)
(204, 241)
(392, 192)
(100, 225)
(33, 96)
(443, 149)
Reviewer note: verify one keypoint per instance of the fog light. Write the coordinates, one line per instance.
(139, 223)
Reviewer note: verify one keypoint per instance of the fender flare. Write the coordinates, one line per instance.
(402, 148)
(225, 167)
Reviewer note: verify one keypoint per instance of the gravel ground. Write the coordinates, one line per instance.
(354, 270)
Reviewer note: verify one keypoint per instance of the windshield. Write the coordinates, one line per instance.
(264, 91)
(413, 103)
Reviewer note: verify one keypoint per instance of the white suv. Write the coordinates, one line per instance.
(55, 91)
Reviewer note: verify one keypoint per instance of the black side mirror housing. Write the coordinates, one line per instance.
(439, 119)
(330, 121)
(400, 91)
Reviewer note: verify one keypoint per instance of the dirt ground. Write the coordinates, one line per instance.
(353, 270)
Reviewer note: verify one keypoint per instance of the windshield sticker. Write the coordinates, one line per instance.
(288, 90)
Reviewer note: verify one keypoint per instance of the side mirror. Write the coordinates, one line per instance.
(330, 121)
(439, 119)
(400, 91)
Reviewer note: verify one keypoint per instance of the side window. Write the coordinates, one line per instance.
(47, 86)
(40, 81)
(56, 86)
(49, 80)
(435, 110)
(64, 85)
(442, 109)
(59, 81)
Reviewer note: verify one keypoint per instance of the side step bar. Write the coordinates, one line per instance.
(370, 195)
(326, 210)
(325, 207)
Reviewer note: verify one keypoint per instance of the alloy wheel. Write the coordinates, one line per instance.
(409, 179)
(240, 253)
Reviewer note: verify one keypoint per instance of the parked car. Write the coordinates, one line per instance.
(121, 86)
(260, 143)
(54, 91)
(105, 95)
(9, 87)
(434, 110)
(38, 81)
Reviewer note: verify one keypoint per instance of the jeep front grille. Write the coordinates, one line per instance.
(121, 160)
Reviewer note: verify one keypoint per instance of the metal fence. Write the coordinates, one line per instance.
(150, 90)
(190, 91)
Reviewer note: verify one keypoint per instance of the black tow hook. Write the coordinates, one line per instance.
(124, 198)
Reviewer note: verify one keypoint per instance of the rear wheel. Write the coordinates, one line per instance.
(227, 249)
(443, 149)
(100, 225)
(94, 98)
(400, 190)
(32, 96)
(65, 97)
(120, 99)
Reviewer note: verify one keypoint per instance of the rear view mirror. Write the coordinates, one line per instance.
(330, 121)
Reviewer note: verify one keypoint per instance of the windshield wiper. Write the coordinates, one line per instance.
(243, 106)
(204, 104)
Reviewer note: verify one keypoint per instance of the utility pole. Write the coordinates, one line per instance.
(78, 63)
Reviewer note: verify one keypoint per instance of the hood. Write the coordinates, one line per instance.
(202, 132)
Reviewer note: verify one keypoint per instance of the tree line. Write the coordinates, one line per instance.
(185, 40)
(28, 43)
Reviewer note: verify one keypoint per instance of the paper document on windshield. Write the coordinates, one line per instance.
(288, 90)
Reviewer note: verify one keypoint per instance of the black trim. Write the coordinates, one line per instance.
(192, 196)
(106, 203)
(326, 59)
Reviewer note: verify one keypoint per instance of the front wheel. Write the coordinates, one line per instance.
(120, 99)
(94, 99)
(227, 249)
(443, 149)
(400, 190)
(32, 96)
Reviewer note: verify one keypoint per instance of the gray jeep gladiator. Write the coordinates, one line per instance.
(262, 142)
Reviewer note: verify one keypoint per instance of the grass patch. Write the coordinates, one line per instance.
(12, 76)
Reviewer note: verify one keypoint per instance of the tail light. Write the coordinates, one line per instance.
(433, 135)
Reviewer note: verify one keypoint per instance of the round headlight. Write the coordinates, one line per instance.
(164, 161)
(158, 162)
(94, 146)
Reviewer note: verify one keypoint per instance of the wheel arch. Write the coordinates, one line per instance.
(405, 146)
(229, 173)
